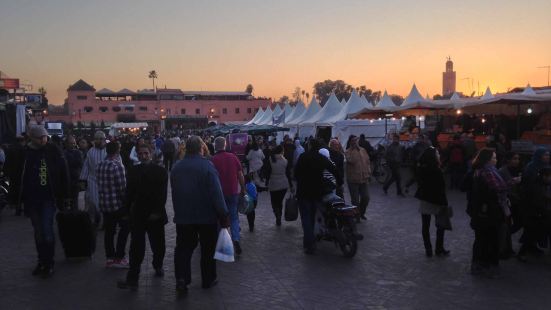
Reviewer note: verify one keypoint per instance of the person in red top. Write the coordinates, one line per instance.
(231, 175)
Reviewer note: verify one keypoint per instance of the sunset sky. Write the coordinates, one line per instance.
(274, 45)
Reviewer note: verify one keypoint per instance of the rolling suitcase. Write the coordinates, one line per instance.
(77, 233)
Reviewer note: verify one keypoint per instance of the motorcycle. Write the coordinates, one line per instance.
(335, 221)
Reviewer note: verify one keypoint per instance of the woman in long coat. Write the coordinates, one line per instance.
(431, 193)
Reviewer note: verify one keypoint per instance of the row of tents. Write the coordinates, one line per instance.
(305, 119)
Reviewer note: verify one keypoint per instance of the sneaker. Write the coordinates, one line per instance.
(237, 248)
(109, 263)
(121, 263)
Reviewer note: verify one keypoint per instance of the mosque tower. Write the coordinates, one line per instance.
(448, 79)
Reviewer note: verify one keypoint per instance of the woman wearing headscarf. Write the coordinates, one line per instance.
(431, 193)
(488, 209)
(256, 158)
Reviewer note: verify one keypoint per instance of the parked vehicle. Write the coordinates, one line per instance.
(336, 223)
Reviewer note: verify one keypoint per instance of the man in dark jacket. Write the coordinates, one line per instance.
(44, 185)
(146, 199)
(394, 157)
(309, 175)
(199, 206)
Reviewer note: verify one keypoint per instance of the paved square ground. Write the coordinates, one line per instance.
(390, 270)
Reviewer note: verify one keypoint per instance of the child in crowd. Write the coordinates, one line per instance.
(253, 195)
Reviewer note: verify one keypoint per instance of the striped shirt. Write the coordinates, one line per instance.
(111, 181)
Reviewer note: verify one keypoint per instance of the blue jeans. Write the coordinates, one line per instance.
(307, 210)
(42, 218)
(231, 203)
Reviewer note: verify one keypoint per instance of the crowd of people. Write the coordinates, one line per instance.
(126, 181)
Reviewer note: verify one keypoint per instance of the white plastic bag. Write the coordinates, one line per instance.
(224, 247)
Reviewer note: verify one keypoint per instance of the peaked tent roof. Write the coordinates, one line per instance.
(413, 99)
(266, 118)
(354, 104)
(298, 110)
(331, 108)
(277, 110)
(487, 94)
(455, 96)
(82, 86)
(385, 104)
(365, 101)
(288, 109)
(528, 91)
(343, 102)
(256, 117)
(313, 109)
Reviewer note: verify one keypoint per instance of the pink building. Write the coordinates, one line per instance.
(186, 109)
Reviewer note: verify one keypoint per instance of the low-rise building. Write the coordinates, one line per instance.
(184, 109)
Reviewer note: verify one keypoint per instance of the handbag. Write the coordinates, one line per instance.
(443, 218)
(291, 208)
(245, 204)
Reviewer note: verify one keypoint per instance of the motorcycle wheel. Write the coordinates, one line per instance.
(348, 245)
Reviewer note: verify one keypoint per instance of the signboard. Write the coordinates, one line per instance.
(238, 144)
(9, 83)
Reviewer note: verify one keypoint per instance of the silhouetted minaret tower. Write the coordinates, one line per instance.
(448, 79)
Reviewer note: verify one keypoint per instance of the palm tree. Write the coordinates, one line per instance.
(303, 91)
(42, 91)
(153, 76)
(307, 97)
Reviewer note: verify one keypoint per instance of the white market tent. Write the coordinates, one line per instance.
(313, 109)
(366, 102)
(266, 118)
(288, 110)
(331, 108)
(415, 100)
(298, 110)
(277, 111)
(374, 130)
(529, 91)
(256, 117)
(343, 102)
(385, 104)
(487, 94)
(354, 104)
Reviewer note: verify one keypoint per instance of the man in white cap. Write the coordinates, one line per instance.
(43, 188)
(95, 155)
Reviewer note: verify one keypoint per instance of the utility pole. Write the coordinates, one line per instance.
(548, 70)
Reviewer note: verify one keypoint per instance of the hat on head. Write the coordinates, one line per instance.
(324, 152)
(99, 135)
(37, 132)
